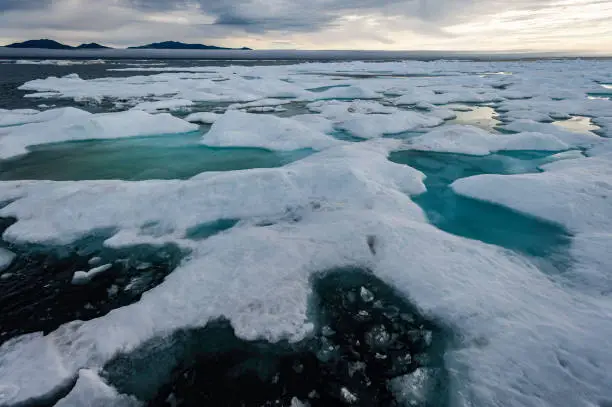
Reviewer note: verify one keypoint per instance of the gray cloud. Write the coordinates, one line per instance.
(7, 5)
(260, 16)
(305, 23)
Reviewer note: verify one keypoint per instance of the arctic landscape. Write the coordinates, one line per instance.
(294, 233)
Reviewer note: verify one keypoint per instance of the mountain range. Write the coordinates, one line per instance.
(50, 44)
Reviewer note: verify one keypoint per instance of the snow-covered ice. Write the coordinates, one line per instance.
(84, 277)
(91, 391)
(202, 117)
(523, 336)
(573, 193)
(474, 141)
(239, 129)
(68, 124)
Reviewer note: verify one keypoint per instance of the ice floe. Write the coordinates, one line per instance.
(239, 129)
(84, 277)
(91, 391)
(573, 193)
(68, 124)
(570, 137)
(514, 321)
(474, 141)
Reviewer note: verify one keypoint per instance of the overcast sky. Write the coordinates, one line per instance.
(480, 25)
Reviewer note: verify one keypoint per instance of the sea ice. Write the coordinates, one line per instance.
(91, 391)
(239, 129)
(569, 137)
(474, 141)
(69, 124)
(523, 337)
(376, 125)
(369, 119)
(573, 193)
(6, 258)
(170, 104)
(84, 277)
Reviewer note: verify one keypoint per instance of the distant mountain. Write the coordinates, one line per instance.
(50, 44)
(92, 45)
(45, 43)
(180, 45)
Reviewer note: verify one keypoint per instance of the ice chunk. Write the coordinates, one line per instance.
(236, 128)
(573, 193)
(375, 125)
(84, 277)
(571, 138)
(369, 119)
(170, 104)
(348, 397)
(91, 391)
(474, 141)
(73, 124)
(6, 258)
(15, 117)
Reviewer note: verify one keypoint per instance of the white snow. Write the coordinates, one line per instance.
(84, 277)
(474, 141)
(69, 124)
(239, 129)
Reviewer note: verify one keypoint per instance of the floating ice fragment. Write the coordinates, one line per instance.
(347, 396)
(366, 295)
(474, 141)
(6, 258)
(84, 277)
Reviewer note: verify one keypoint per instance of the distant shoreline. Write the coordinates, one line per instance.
(255, 55)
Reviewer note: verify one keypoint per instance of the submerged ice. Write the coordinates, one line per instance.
(336, 279)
